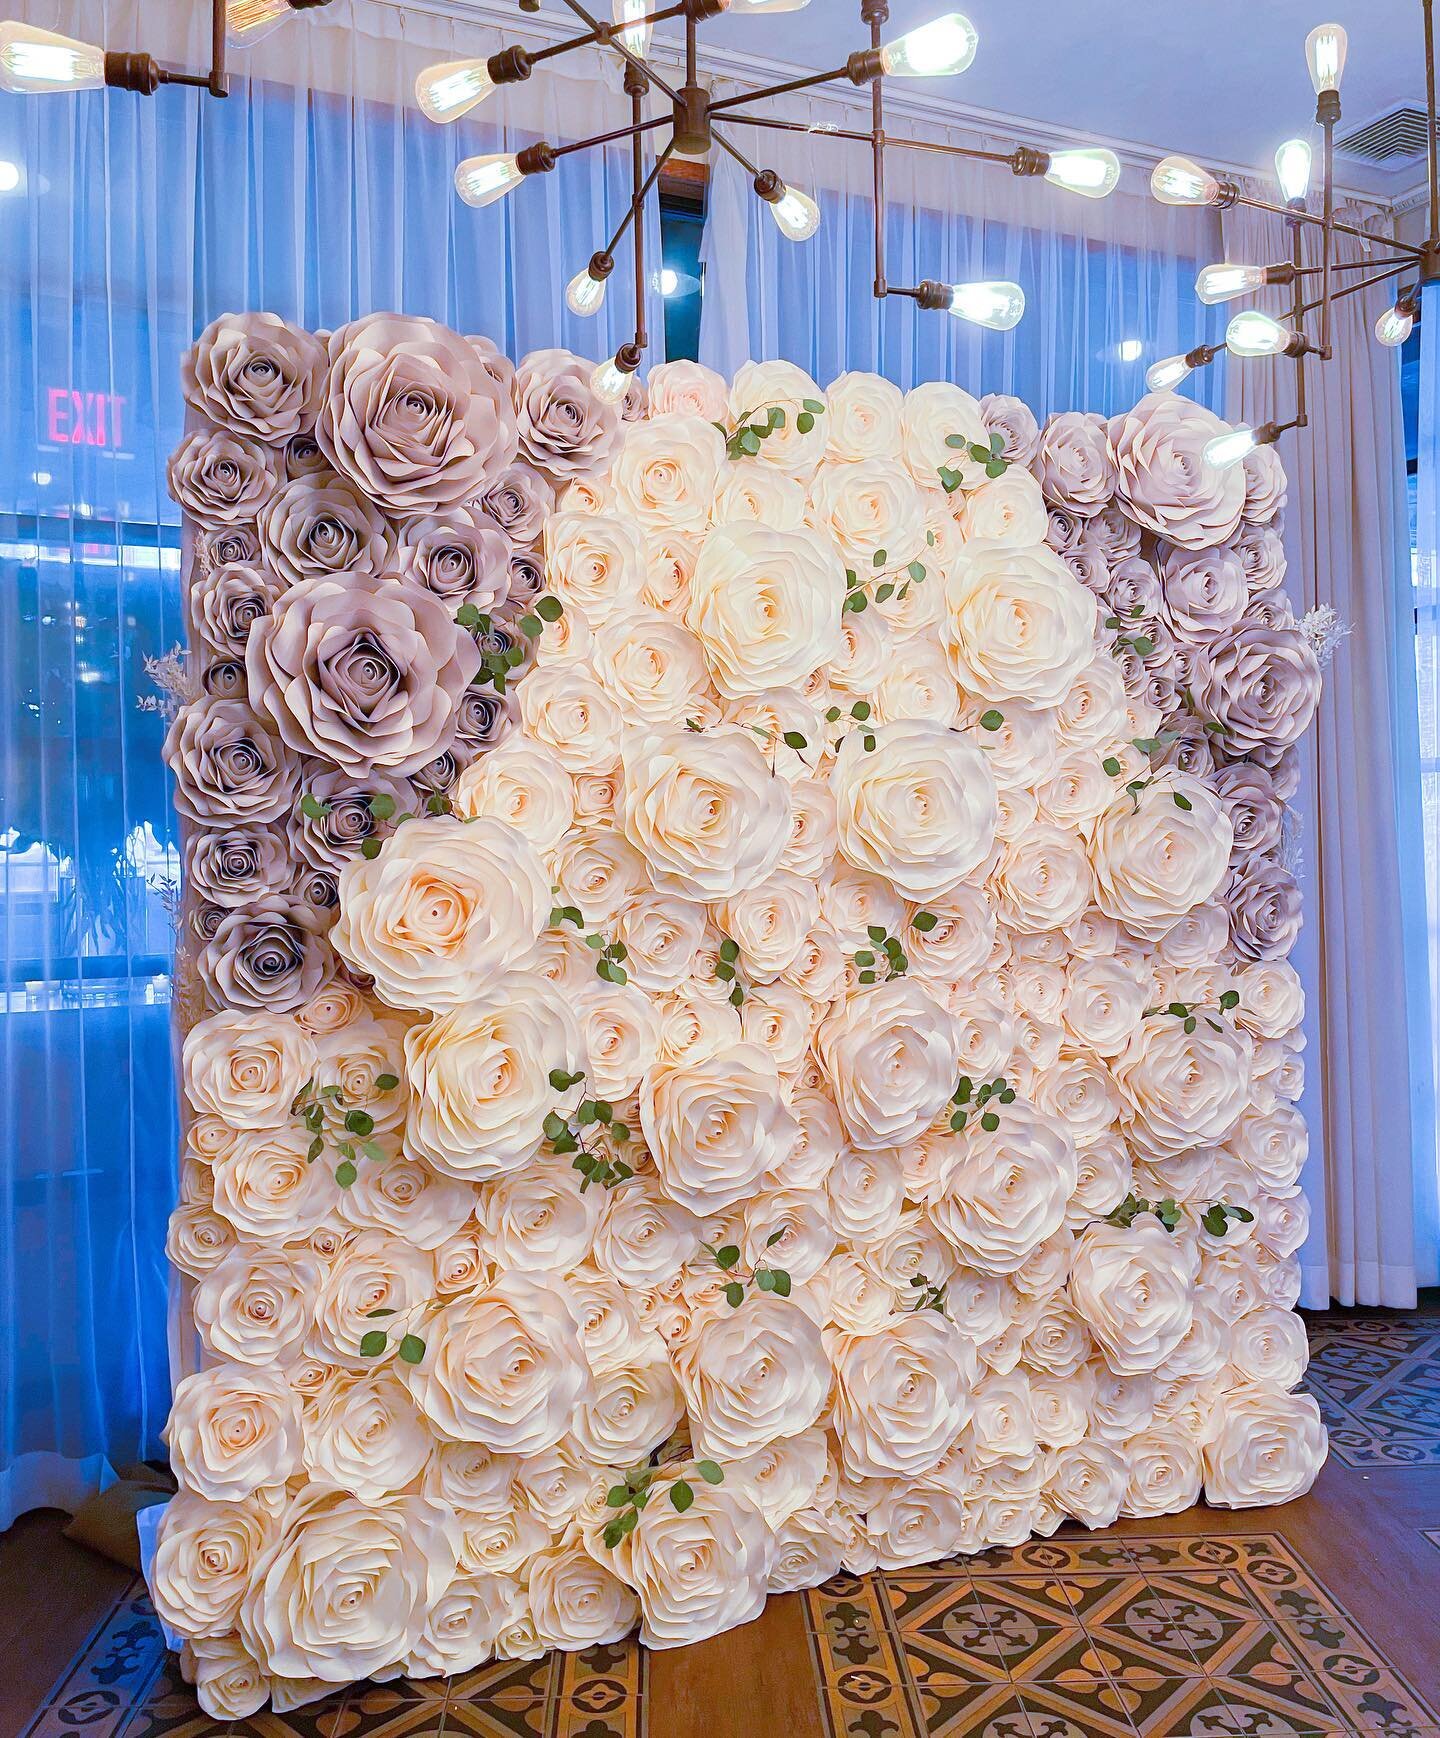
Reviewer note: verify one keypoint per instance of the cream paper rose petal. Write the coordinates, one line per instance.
(765, 606)
(902, 1395)
(1019, 625)
(892, 1055)
(1159, 853)
(752, 1376)
(715, 1124)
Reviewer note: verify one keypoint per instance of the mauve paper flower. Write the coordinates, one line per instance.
(459, 555)
(226, 601)
(1256, 812)
(412, 416)
(1191, 749)
(271, 956)
(303, 458)
(1090, 568)
(319, 890)
(518, 502)
(1014, 421)
(1285, 773)
(1264, 687)
(492, 359)
(1135, 593)
(1205, 589)
(256, 375)
(1074, 464)
(527, 576)
(225, 679)
(635, 406)
(437, 777)
(484, 718)
(221, 478)
(227, 765)
(1263, 899)
(1064, 530)
(1164, 481)
(1190, 666)
(362, 671)
(236, 866)
(1112, 532)
(1272, 609)
(1261, 552)
(328, 841)
(564, 428)
(1264, 485)
(236, 544)
(322, 524)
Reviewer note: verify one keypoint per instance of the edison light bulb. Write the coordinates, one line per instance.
(996, 305)
(1230, 448)
(796, 213)
(1166, 375)
(666, 281)
(1255, 334)
(637, 37)
(33, 61)
(483, 180)
(1093, 172)
(1325, 55)
(453, 88)
(1395, 325)
(251, 21)
(1181, 181)
(945, 46)
(584, 294)
(1292, 168)
(610, 383)
(1223, 283)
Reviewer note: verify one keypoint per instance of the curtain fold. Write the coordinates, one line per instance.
(316, 190)
(1369, 1097)
(1427, 670)
(1109, 285)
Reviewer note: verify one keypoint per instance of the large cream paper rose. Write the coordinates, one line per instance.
(902, 1395)
(715, 1124)
(594, 562)
(520, 784)
(874, 511)
(1008, 1193)
(760, 387)
(1263, 1448)
(687, 389)
(479, 1076)
(1019, 625)
(233, 1430)
(204, 1557)
(666, 472)
(576, 1602)
(704, 809)
(363, 1435)
(765, 606)
(863, 417)
(918, 808)
(1158, 854)
(936, 415)
(752, 1376)
(254, 1306)
(892, 1055)
(651, 665)
(247, 1068)
(345, 1592)
(1134, 1285)
(441, 909)
(697, 1572)
(503, 1368)
(1182, 1089)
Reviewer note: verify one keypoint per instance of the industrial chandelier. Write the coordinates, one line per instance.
(1306, 330)
(33, 60)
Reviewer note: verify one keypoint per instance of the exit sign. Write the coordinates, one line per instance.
(84, 419)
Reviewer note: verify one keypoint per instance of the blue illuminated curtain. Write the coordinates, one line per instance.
(1109, 287)
(312, 191)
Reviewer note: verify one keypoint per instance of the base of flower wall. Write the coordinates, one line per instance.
(736, 1019)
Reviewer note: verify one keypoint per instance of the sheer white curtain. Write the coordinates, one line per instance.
(1109, 285)
(1369, 1088)
(316, 190)
(1427, 663)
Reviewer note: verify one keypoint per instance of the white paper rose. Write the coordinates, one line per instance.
(247, 1068)
(760, 387)
(873, 510)
(441, 909)
(918, 808)
(651, 666)
(892, 1055)
(863, 417)
(1182, 1089)
(1263, 1448)
(1019, 625)
(1133, 1285)
(715, 1124)
(665, 473)
(934, 417)
(204, 1558)
(1160, 852)
(687, 389)
(752, 1376)
(765, 605)
(1008, 1193)
(902, 1395)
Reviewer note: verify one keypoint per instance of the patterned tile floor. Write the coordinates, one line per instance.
(1377, 1380)
(1212, 1634)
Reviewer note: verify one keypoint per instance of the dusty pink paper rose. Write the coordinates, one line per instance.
(1014, 421)
(411, 415)
(361, 671)
(221, 478)
(236, 865)
(1074, 464)
(1264, 687)
(460, 556)
(320, 524)
(328, 840)
(1263, 899)
(1257, 815)
(518, 502)
(225, 604)
(1164, 481)
(227, 765)
(256, 375)
(1264, 486)
(688, 389)
(268, 956)
(1205, 590)
(564, 428)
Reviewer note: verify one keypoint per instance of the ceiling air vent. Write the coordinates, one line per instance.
(1393, 138)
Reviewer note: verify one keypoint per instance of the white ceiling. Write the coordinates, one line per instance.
(1223, 80)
